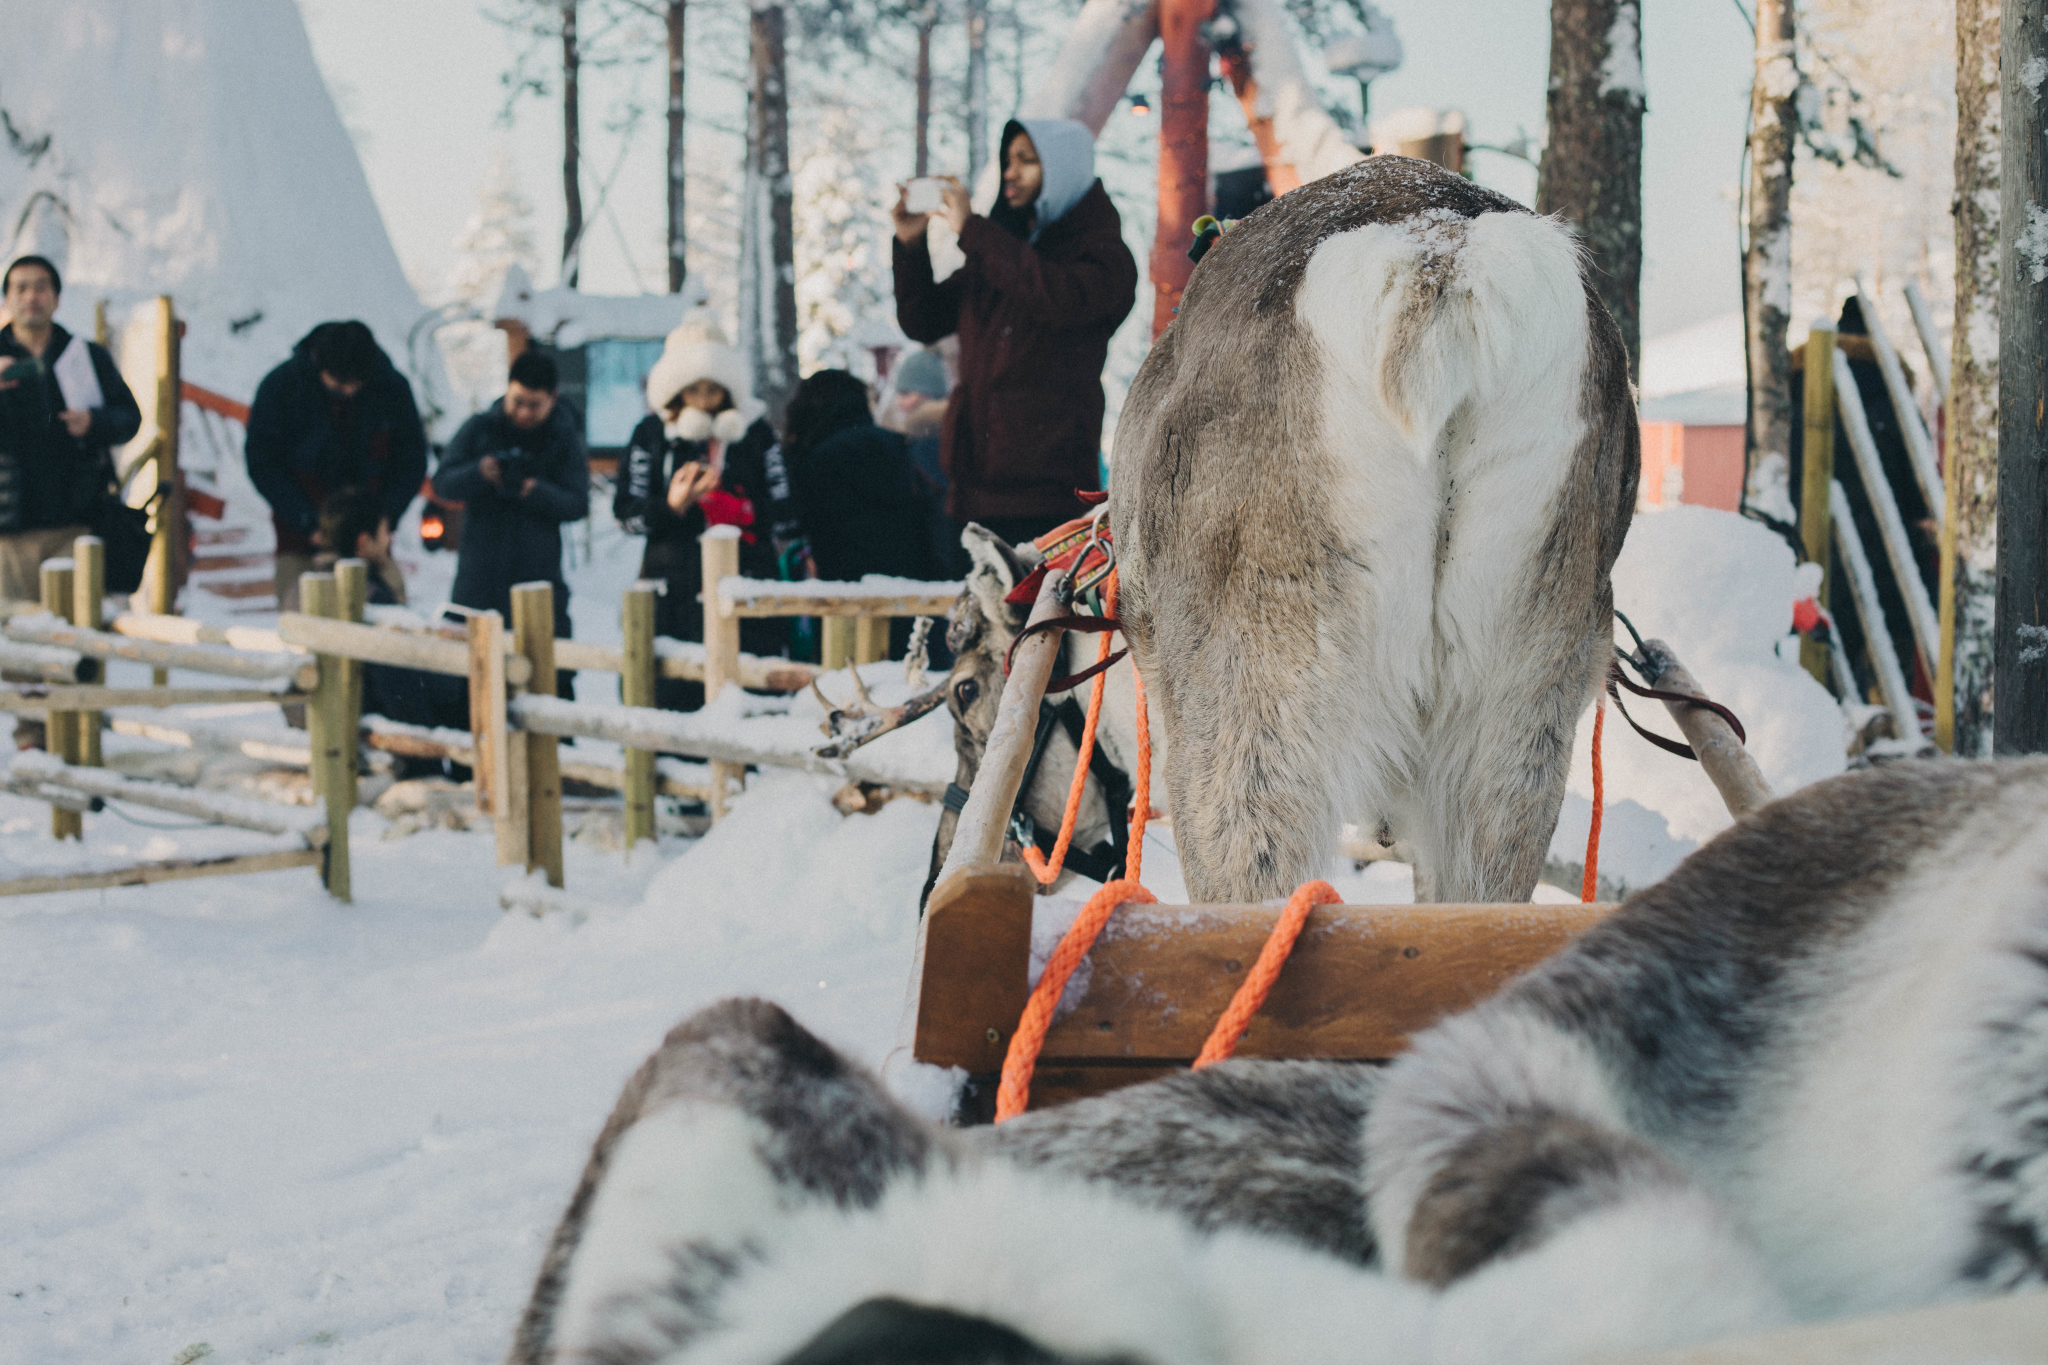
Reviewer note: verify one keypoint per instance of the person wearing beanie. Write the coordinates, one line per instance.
(704, 456)
(917, 410)
(1047, 281)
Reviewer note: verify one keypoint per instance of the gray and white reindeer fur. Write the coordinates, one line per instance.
(1806, 1075)
(1368, 489)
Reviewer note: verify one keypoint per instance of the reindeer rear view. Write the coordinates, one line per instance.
(1369, 489)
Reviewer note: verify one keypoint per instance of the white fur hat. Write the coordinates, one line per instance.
(697, 349)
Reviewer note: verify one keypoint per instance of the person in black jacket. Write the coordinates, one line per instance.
(63, 407)
(703, 457)
(336, 415)
(520, 470)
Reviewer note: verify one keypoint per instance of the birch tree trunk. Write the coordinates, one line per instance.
(768, 232)
(2020, 632)
(678, 233)
(1972, 437)
(572, 147)
(977, 90)
(1592, 169)
(1767, 264)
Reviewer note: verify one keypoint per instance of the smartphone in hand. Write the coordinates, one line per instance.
(926, 194)
(18, 372)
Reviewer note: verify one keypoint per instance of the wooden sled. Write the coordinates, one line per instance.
(1361, 980)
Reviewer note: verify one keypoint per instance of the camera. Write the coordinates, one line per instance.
(926, 194)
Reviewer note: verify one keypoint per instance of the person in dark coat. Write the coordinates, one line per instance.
(336, 415)
(1047, 281)
(63, 407)
(917, 409)
(704, 457)
(520, 469)
(354, 524)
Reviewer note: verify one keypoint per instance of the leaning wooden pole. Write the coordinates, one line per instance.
(60, 728)
(2020, 630)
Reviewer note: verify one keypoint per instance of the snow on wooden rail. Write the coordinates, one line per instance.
(875, 595)
(222, 660)
(41, 663)
(693, 734)
(377, 645)
(307, 822)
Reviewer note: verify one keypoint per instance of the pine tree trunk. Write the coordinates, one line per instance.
(1767, 264)
(1972, 438)
(768, 235)
(977, 90)
(2020, 634)
(678, 233)
(1592, 170)
(924, 88)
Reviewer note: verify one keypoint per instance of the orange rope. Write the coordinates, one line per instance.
(1013, 1095)
(1251, 996)
(1048, 869)
(1589, 889)
(1141, 796)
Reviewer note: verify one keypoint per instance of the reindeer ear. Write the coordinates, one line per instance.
(997, 567)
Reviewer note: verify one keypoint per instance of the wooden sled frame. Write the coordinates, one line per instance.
(1362, 978)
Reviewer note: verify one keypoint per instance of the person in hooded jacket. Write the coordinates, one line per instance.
(336, 415)
(520, 469)
(704, 456)
(1047, 281)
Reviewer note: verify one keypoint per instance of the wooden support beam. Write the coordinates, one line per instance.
(720, 547)
(143, 874)
(329, 738)
(1817, 473)
(60, 728)
(636, 688)
(533, 634)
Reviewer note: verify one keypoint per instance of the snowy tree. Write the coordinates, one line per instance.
(1973, 366)
(844, 291)
(498, 237)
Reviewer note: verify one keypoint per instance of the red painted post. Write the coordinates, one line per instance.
(1183, 149)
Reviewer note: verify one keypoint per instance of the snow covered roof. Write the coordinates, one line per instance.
(562, 316)
(1696, 375)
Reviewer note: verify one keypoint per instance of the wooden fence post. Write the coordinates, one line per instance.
(326, 720)
(352, 589)
(61, 728)
(163, 572)
(870, 639)
(720, 547)
(636, 688)
(835, 641)
(1817, 473)
(500, 769)
(88, 604)
(533, 635)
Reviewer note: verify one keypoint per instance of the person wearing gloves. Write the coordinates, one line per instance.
(704, 457)
(520, 470)
(1047, 281)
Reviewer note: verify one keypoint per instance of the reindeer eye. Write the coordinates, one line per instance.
(965, 691)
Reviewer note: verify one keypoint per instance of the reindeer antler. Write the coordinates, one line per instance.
(850, 732)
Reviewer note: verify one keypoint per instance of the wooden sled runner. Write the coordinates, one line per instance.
(1361, 978)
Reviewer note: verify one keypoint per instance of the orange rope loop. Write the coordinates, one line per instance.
(1251, 996)
(1047, 870)
(1013, 1095)
(1589, 889)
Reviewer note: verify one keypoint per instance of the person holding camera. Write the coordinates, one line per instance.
(1047, 281)
(338, 414)
(520, 469)
(63, 407)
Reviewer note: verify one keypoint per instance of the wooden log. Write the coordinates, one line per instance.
(978, 838)
(378, 645)
(419, 741)
(43, 663)
(1817, 472)
(533, 632)
(720, 547)
(32, 698)
(1728, 764)
(143, 874)
(329, 737)
(221, 808)
(636, 688)
(188, 733)
(181, 630)
(1360, 982)
(1920, 613)
(220, 660)
(60, 729)
(676, 732)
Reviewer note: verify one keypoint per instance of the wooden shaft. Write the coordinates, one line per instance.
(328, 736)
(60, 728)
(376, 645)
(720, 547)
(978, 838)
(1728, 765)
(533, 634)
(636, 688)
(1818, 471)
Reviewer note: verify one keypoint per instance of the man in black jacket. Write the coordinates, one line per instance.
(520, 470)
(63, 407)
(336, 415)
